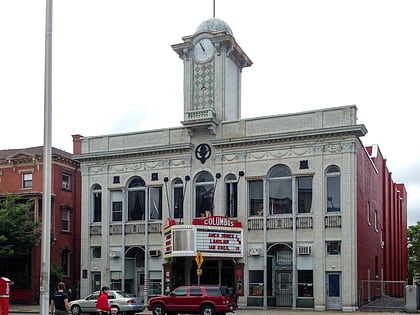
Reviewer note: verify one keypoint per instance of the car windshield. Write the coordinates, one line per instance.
(126, 294)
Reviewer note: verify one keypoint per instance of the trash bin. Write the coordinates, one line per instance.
(4, 295)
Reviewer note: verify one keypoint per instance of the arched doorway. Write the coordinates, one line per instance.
(281, 258)
(134, 271)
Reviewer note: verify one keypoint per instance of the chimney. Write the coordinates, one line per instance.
(77, 144)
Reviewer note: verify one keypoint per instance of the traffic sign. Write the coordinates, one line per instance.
(199, 259)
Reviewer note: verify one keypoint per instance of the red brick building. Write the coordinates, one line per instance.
(21, 172)
(381, 226)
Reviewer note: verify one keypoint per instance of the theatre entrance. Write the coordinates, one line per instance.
(215, 271)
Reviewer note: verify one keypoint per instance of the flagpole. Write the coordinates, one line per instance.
(46, 183)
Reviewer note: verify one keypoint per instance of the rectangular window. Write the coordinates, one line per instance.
(333, 248)
(155, 203)
(231, 200)
(116, 206)
(65, 220)
(97, 206)
(136, 205)
(304, 194)
(280, 196)
(305, 283)
(96, 251)
(116, 283)
(178, 202)
(27, 180)
(256, 282)
(255, 192)
(65, 181)
(333, 193)
(65, 262)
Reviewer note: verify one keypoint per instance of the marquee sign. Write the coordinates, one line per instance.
(215, 236)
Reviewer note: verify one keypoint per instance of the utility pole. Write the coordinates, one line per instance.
(46, 183)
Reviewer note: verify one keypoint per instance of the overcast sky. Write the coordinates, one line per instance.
(114, 70)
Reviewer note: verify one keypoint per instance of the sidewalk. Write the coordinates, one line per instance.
(34, 309)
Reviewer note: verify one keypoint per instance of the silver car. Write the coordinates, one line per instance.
(123, 301)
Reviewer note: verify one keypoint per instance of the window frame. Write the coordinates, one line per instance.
(27, 183)
(332, 172)
(66, 185)
(177, 187)
(231, 192)
(96, 194)
(281, 175)
(209, 186)
(258, 204)
(333, 252)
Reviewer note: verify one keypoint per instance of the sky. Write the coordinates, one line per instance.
(114, 70)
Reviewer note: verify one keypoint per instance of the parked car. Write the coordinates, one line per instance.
(123, 301)
(198, 299)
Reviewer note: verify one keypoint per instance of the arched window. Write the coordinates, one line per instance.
(280, 190)
(231, 184)
(177, 198)
(204, 190)
(97, 203)
(333, 188)
(136, 199)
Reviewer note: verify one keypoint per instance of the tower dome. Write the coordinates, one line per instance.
(214, 25)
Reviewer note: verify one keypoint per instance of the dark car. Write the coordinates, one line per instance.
(123, 301)
(197, 299)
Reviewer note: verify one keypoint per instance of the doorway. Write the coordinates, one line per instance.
(284, 289)
(333, 283)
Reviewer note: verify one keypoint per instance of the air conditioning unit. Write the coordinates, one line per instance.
(304, 250)
(155, 253)
(254, 251)
(65, 185)
(114, 254)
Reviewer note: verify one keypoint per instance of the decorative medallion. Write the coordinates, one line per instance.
(203, 152)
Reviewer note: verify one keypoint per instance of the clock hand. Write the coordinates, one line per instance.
(202, 47)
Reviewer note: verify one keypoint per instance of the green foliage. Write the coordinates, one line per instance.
(56, 275)
(413, 241)
(19, 232)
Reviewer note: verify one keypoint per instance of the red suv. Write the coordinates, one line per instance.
(197, 299)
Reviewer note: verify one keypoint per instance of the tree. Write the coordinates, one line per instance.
(413, 242)
(19, 231)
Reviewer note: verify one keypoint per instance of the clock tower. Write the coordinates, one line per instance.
(213, 63)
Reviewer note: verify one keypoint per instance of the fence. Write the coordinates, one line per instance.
(376, 295)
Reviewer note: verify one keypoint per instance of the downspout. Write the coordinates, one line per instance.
(146, 251)
(265, 207)
(123, 220)
(294, 257)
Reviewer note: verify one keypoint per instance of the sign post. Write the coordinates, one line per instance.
(199, 259)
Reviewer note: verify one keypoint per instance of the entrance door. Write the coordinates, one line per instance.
(140, 284)
(284, 288)
(334, 290)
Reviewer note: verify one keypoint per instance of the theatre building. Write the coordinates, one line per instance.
(279, 208)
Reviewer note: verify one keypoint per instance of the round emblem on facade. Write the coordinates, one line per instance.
(203, 152)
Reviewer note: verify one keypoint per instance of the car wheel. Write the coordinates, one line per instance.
(75, 310)
(158, 309)
(117, 308)
(207, 310)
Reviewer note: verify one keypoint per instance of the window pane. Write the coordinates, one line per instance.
(117, 211)
(204, 177)
(305, 283)
(256, 197)
(280, 196)
(136, 205)
(231, 200)
(333, 248)
(97, 206)
(203, 200)
(178, 202)
(136, 182)
(304, 194)
(280, 171)
(333, 193)
(155, 195)
(27, 180)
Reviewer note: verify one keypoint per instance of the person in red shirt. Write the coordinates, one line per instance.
(102, 305)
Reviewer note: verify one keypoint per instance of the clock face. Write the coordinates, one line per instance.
(203, 50)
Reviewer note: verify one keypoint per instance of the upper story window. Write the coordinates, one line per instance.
(97, 203)
(280, 190)
(256, 197)
(304, 194)
(333, 248)
(333, 189)
(177, 199)
(204, 190)
(65, 218)
(138, 202)
(116, 205)
(136, 199)
(231, 184)
(27, 180)
(65, 181)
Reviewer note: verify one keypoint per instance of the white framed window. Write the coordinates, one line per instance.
(304, 187)
(333, 248)
(96, 203)
(26, 180)
(280, 190)
(204, 194)
(333, 189)
(256, 197)
(141, 198)
(65, 181)
(231, 185)
(116, 206)
(177, 198)
(65, 219)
